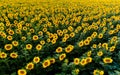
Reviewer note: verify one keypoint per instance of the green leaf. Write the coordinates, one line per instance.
(14, 73)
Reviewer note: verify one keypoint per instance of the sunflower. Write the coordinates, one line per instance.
(25, 28)
(69, 48)
(101, 72)
(114, 38)
(64, 39)
(8, 46)
(59, 50)
(112, 48)
(94, 46)
(60, 32)
(62, 56)
(100, 53)
(83, 62)
(96, 72)
(38, 47)
(3, 55)
(65, 31)
(70, 28)
(32, 30)
(89, 53)
(22, 72)
(81, 43)
(13, 55)
(35, 37)
(100, 36)
(23, 38)
(86, 42)
(48, 40)
(111, 32)
(44, 29)
(4, 35)
(15, 43)
(79, 28)
(52, 60)
(10, 32)
(1, 28)
(105, 45)
(76, 61)
(99, 45)
(42, 42)
(77, 71)
(30, 66)
(36, 60)
(53, 41)
(72, 34)
(18, 31)
(66, 36)
(40, 33)
(29, 46)
(107, 60)
(46, 63)
(88, 60)
(89, 38)
(55, 36)
(9, 37)
(94, 35)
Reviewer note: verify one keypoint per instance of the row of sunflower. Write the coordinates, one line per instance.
(59, 38)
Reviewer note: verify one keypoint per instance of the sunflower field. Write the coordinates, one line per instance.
(59, 37)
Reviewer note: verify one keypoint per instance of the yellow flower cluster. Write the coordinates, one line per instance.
(53, 36)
